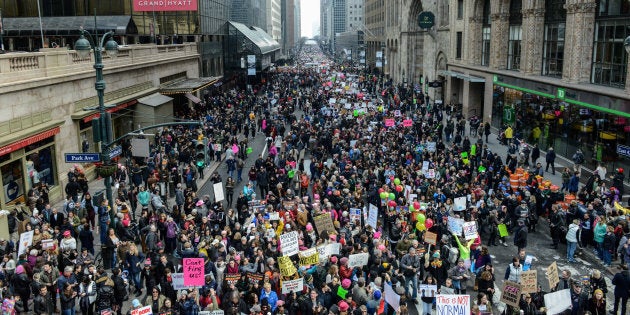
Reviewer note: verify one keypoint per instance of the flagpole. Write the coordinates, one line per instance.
(41, 27)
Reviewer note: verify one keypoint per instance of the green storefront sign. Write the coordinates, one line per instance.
(426, 20)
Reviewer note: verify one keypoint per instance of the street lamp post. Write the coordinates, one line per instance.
(83, 46)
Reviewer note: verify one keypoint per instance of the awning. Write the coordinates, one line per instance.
(155, 100)
(110, 109)
(193, 98)
(26, 137)
(463, 76)
(187, 86)
(87, 114)
(257, 36)
(69, 25)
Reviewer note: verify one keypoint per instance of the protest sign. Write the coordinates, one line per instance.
(286, 266)
(459, 204)
(430, 173)
(427, 290)
(288, 204)
(107, 312)
(355, 215)
(193, 272)
(178, 281)
(274, 216)
(333, 249)
(397, 113)
(26, 240)
(289, 286)
(391, 297)
(232, 279)
(48, 244)
(143, 311)
(511, 293)
(430, 238)
(215, 312)
(218, 192)
(431, 147)
(389, 122)
(452, 304)
(557, 302)
(254, 277)
(529, 282)
(358, 260)
(341, 292)
(470, 230)
(289, 243)
(455, 225)
(323, 222)
(407, 123)
(552, 275)
(503, 232)
(309, 257)
(372, 216)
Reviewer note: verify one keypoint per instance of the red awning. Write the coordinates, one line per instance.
(28, 141)
(110, 110)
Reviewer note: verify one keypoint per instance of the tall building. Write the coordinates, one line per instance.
(274, 19)
(354, 14)
(339, 15)
(291, 19)
(249, 12)
(325, 23)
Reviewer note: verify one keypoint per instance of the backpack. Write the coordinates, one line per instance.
(171, 230)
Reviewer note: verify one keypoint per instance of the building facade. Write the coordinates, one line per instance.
(274, 19)
(374, 30)
(291, 27)
(249, 12)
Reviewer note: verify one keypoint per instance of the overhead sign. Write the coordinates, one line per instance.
(115, 151)
(82, 157)
(164, 5)
(623, 150)
(426, 20)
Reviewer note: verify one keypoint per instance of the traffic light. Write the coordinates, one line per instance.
(201, 152)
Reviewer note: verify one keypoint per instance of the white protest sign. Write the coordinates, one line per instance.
(26, 240)
(143, 311)
(289, 243)
(470, 230)
(178, 281)
(218, 192)
(452, 304)
(460, 204)
(274, 216)
(455, 225)
(333, 249)
(391, 297)
(358, 260)
(557, 302)
(430, 173)
(431, 147)
(372, 216)
(289, 286)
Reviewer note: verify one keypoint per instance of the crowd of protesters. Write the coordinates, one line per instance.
(413, 173)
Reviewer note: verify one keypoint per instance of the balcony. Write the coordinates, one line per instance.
(16, 68)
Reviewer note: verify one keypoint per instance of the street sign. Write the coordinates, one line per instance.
(426, 20)
(623, 150)
(115, 151)
(435, 84)
(82, 157)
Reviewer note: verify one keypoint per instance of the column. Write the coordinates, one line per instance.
(533, 37)
(579, 40)
(499, 40)
(474, 38)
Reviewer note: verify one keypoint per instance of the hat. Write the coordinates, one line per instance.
(344, 260)
(19, 270)
(346, 283)
(280, 303)
(343, 306)
(66, 233)
(136, 303)
(333, 259)
(147, 261)
(215, 242)
(184, 292)
(199, 203)
(309, 227)
(377, 294)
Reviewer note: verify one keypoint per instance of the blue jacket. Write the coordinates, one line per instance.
(272, 298)
(574, 183)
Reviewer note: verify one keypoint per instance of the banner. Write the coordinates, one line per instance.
(358, 260)
(193, 272)
(26, 240)
(232, 279)
(552, 275)
(218, 192)
(254, 277)
(372, 216)
(289, 286)
(391, 297)
(470, 230)
(459, 204)
(511, 293)
(455, 225)
(452, 304)
(178, 281)
(529, 282)
(289, 243)
(309, 257)
(430, 238)
(251, 64)
(557, 302)
(143, 311)
(164, 5)
(286, 266)
(323, 222)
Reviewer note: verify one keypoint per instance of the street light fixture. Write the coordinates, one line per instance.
(84, 47)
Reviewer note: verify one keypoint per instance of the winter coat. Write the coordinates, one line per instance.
(105, 298)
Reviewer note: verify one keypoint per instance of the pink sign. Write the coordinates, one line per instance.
(164, 5)
(407, 123)
(389, 122)
(193, 272)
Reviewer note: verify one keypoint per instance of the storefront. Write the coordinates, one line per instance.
(28, 159)
(565, 119)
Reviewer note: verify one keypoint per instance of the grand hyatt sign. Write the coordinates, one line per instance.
(164, 5)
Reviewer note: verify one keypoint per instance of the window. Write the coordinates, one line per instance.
(458, 49)
(516, 16)
(613, 7)
(443, 18)
(485, 46)
(460, 9)
(514, 47)
(609, 56)
(553, 51)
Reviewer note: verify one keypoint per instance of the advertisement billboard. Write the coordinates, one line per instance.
(164, 5)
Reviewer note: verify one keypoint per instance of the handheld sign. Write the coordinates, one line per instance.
(193, 272)
(511, 294)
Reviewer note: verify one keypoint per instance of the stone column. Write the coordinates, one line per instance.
(499, 40)
(533, 39)
(579, 40)
(474, 39)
